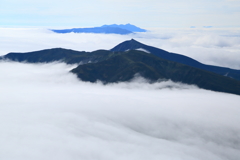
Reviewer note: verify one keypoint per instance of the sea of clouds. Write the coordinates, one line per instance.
(47, 113)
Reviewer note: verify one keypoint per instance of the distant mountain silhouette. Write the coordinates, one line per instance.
(130, 58)
(106, 29)
(133, 44)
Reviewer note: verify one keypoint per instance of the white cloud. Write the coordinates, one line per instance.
(46, 113)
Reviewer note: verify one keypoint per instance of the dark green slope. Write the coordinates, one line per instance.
(59, 54)
(124, 66)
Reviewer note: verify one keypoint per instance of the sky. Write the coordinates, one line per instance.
(145, 14)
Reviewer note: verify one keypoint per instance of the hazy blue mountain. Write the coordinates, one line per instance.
(105, 30)
(133, 44)
(128, 26)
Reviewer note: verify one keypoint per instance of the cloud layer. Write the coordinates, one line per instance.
(47, 113)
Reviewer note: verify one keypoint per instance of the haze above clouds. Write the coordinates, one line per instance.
(153, 13)
(47, 113)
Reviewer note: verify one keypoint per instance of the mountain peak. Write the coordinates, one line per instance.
(133, 40)
(127, 45)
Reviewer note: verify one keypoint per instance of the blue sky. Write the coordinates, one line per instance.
(143, 13)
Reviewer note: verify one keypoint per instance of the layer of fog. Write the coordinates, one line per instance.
(47, 113)
(211, 46)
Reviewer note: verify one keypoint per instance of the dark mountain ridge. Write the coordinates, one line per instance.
(123, 67)
(117, 65)
(59, 54)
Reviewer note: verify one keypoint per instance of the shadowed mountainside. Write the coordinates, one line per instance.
(123, 67)
(133, 45)
(59, 54)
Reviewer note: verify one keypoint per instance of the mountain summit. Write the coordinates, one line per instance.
(135, 45)
(128, 45)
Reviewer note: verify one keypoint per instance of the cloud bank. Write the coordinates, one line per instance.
(210, 46)
(47, 113)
